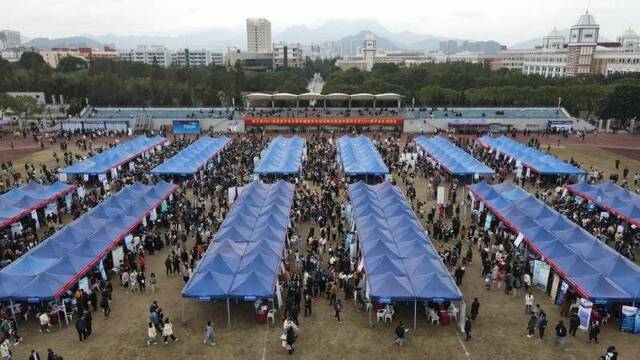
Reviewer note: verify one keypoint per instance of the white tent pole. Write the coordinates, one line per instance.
(13, 312)
(228, 312)
(64, 309)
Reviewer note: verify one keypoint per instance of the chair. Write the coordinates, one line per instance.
(434, 317)
(271, 316)
(380, 315)
(368, 306)
(605, 319)
(388, 315)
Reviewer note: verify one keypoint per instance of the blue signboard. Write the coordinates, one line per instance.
(186, 127)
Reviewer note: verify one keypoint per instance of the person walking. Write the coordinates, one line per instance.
(152, 335)
(153, 282)
(209, 337)
(105, 305)
(561, 334)
(542, 324)
(528, 303)
(400, 332)
(531, 326)
(574, 323)
(167, 331)
(467, 329)
(611, 354)
(81, 329)
(475, 307)
(53, 356)
(307, 304)
(338, 308)
(593, 332)
(34, 355)
(290, 338)
(87, 324)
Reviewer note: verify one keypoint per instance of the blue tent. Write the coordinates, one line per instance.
(536, 160)
(57, 263)
(19, 202)
(189, 160)
(283, 156)
(453, 159)
(358, 156)
(103, 162)
(612, 198)
(399, 258)
(593, 268)
(243, 260)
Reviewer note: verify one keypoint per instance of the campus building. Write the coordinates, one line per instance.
(258, 35)
(581, 54)
(54, 55)
(196, 57)
(10, 39)
(287, 55)
(153, 54)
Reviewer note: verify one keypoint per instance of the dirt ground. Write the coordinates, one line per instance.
(498, 333)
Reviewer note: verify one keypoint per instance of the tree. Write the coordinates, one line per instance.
(621, 103)
(26, 105)
(71, 63)
(6, 101)
(33, 61)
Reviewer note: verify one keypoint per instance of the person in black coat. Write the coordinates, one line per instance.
(475, 307)
(87, 323)
(574, 323)
(467, 329)
(34, 355)
(81, 328)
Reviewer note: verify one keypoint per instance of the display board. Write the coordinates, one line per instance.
(183, 127)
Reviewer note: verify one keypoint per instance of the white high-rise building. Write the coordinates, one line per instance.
(10, 39)
(258, 35)
(195, 57)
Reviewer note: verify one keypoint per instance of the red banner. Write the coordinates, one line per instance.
(327, 121)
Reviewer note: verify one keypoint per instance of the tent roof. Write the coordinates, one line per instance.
(615, 199)
(593, 268)
(310, 96)
(337, 96)
(537, 160)
(359, 157)
(258, 96)
(244, 257)
(189, 160)
(388, 96)
(452, 158)
(61, 260)
(284, 96)
(363, 96)
(283, 156)
(19, 202)
(399, 258)
(102, 162)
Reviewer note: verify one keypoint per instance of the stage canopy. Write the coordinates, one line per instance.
(19, 202)
(57, 263)
(451, 158)
(103, 162)
(359, 157)
(244, 258)
(594, 269)
(536, 160)
(283, 156)
(612, 198)
(400, 261)
(189, 160)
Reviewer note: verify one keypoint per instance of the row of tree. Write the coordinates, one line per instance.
(119, 83)
(465, 84)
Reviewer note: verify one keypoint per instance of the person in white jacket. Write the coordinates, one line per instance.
(528, 303)
(5, 350)
(152, 335)
(167, 331)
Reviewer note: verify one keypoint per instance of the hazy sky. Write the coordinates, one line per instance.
(506, 21)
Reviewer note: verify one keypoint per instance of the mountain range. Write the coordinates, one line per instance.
(345, 35)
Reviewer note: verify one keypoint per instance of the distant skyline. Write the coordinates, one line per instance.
(507, 22)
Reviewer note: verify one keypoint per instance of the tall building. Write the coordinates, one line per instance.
(10, 39)
(583, 40)
(369, 51)
(258, 35)
(287, 55)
